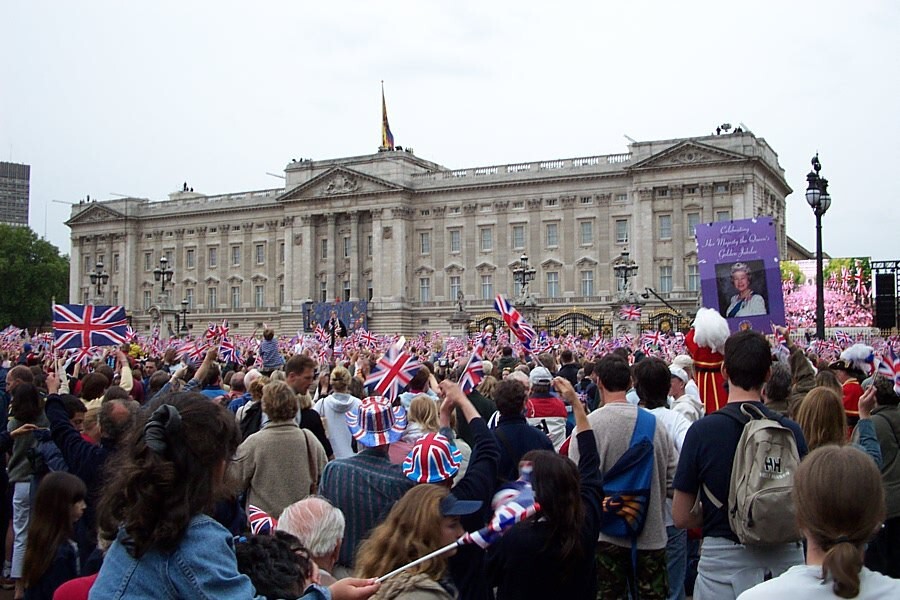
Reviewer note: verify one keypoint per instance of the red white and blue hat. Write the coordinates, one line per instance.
(376, 422)
(433, 459)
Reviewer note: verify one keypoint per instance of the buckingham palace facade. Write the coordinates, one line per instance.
(411, 236)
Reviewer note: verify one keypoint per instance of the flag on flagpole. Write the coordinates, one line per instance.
(387, 138)
(515, 321)
(474, 371)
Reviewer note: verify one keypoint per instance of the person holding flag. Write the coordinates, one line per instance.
(553, 557)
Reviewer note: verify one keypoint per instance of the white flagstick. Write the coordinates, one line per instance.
(419, 561)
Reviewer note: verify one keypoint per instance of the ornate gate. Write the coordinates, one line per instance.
(665, 320)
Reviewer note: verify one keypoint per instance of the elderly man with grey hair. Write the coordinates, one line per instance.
(319, 526)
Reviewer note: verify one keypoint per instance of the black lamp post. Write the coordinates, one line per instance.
(99, 277)
(163, 273)
(184, 314)
(819, 200)
(625, 270)
(523, 274)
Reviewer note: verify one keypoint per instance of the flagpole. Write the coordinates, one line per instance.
(419, 561)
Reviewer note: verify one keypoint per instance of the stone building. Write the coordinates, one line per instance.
(409, 235)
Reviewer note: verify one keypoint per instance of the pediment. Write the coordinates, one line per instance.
(454, 268)
(485, 266)
(586, 261)
(189, 281)
(551, 264)
(95, 213)
(687, 153)
(212, 280)
(424, 270)
(235, 279)
(337, 182)
(259, 278)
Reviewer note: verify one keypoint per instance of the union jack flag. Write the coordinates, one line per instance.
(321, 333)
(474, 371)
(514, 508)
(367, 338)
(228, 352)
(193, 351)
(514, 320)
(889, 366)
(83, 326)
(260, 522)
(81, 356)
(130, 334)
(393, 373)
(652, 338)
(623, 341)
(630, 312)
(843, 338)
(212, 331)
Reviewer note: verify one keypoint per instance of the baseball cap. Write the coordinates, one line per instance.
(540, 375)
(451, 506)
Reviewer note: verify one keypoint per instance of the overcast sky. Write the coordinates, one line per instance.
(106, 98)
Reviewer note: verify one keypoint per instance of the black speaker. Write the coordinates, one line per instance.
(885, 301)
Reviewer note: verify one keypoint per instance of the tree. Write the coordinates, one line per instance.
(32, 273)
(790, 271)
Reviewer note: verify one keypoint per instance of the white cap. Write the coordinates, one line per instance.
(679, 373)
(540, 375)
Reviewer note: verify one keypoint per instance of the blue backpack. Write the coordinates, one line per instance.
(626, 486)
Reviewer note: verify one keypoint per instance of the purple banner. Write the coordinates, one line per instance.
(740, 274)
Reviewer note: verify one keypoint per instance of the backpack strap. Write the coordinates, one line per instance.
(644, 426)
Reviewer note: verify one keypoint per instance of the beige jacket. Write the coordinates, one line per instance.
(273, 467)
(412, 586)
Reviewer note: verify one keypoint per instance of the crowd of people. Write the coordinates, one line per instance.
(150, 477)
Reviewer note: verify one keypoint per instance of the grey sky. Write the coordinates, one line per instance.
(136, 98)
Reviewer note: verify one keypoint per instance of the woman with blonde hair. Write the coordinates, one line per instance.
(422, 419)
(840, 505)
(334, 408)
(823, 420)
(260, 464)
(424, 519)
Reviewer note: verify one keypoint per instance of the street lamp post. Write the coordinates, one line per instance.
(523, 274)
(625, 270)
(99, 277)
(163, 273)
(184, 314)
(819, 200)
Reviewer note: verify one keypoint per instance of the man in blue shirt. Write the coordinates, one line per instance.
(727, 567)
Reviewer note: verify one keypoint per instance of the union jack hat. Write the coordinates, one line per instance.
(376, 422)
(433, 459)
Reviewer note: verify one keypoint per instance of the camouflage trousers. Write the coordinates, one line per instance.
(615, 573)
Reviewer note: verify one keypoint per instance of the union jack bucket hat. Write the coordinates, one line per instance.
(376, 422)
(433, 459)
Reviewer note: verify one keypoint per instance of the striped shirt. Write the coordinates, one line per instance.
(364, 487)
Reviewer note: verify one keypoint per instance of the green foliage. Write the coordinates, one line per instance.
(32, 272)
(835, 265)
(790, 271)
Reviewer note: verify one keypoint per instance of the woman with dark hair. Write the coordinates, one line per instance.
(163, 483)
(840, 505)
(51, 556)
(26, 408)
(552, 555)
